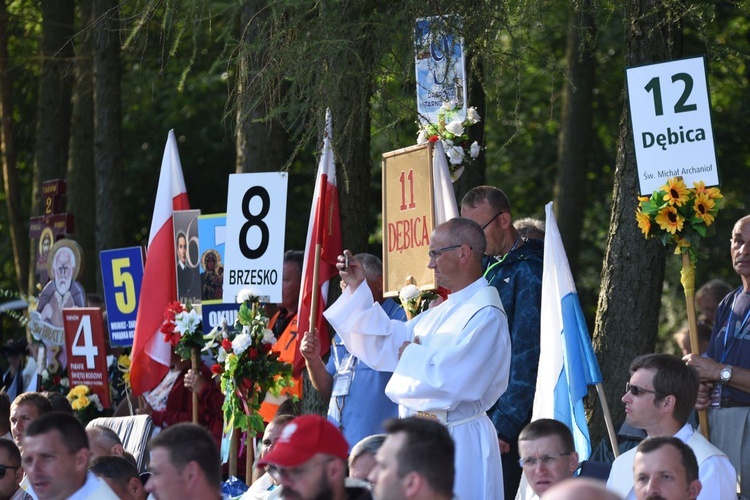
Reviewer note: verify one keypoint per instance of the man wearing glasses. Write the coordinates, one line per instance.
(548, 454)
(513, 265)
(309, 461)
(12, 472)
(451, 362)
(658, 398)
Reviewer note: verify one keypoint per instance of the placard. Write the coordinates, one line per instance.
(440, 68)
(671, 116)
(87, 356)
(122, 274)
(408, 219)
(256, 223)
(187, 256)
(211, 238)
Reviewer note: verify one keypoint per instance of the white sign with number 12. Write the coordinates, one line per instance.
(256, 223)
(671, 116)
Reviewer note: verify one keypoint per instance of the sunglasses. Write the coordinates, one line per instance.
(4, 467)
(637, 391)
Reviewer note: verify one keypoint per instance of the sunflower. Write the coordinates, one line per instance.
(703, 205)
(669, 220)
(676, 192)
(644, 222)
(713, 193)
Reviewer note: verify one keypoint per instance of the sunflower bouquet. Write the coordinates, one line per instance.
(182, 329)
(85, 404)
(676, 214)
(453, 133)
(247, 366)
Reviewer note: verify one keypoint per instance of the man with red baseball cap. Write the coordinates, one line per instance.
(309, 461)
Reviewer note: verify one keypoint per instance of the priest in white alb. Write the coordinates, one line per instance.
(449, 363)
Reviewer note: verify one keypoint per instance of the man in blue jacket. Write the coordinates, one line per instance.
(513, 265)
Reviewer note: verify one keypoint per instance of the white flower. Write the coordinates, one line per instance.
(95, 399)
(187, 322)
(246, 330)
(45, 374)
(449, 105)
(65, 382)
(455, 154)
(455, 127)
(409, 292)
(447, 144)
(244, 295)
(472, 115)
(422, 137)
(475, 149)
(269, 337)
(241, 342)
(221, 356)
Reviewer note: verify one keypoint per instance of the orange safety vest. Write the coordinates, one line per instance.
(286, 345)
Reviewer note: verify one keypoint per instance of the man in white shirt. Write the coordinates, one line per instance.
(658, 399)
(451, 362)
(56, 458)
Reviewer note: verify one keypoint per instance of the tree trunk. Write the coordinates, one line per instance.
(261, 146)
(107, 125)
(627, 316)
(81, 173)
(18, 235)
(53, 104)
(576, 130)
(477, 174)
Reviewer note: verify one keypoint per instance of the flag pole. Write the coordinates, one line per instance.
(194, 354)
(608, 420)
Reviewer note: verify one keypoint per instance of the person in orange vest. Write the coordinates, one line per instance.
(284, 327)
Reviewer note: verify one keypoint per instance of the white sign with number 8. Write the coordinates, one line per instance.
(256, 224)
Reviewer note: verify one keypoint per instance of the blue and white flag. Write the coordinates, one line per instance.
(567, 365)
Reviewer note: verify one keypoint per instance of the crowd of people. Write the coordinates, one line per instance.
(435, 407)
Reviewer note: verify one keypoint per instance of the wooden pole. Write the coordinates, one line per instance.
(608, 420)
(250, 450)
(687, 279)
(315, 288)
(234, 445)
(194, 359)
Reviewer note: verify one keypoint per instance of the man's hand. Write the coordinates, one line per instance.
(353, 274)
(405, 345)
(708, 369)
(704, 396)
(310, 346)
(504, 447)
(193, 381)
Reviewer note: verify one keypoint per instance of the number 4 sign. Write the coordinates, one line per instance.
(87, 357)
(671, 117)
(256, 222)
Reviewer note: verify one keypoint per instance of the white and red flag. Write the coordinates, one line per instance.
(324, 230)
(151, 353)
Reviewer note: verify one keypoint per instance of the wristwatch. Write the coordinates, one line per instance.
(726, 374)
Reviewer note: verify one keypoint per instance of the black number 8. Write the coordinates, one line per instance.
(255, 220)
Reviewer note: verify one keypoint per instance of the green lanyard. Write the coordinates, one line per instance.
(500, 260)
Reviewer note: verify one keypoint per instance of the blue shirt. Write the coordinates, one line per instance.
(366, 406)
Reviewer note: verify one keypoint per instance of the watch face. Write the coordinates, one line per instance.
(725, 374)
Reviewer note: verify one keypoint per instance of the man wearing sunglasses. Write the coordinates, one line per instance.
(513, 265)
(659, 398)
(11, 472)
(451, 362)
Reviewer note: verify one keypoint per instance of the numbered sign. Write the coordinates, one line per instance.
(671, 116)
(122, 273)
(87, 356)
(440, 68)
(256, 221)
(408, 219)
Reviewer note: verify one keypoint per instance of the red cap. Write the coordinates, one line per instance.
(302, 438)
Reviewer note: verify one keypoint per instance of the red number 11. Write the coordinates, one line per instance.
(410, 178)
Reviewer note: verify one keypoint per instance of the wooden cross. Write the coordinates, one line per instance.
(53, 225)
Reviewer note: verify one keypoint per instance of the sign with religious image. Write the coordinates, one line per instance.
(408, 219)
(61, 292)
(187, 254)
(48, 228)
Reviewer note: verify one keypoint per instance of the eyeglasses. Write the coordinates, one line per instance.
(493, 218)
(3, 467)
(546, 460)
(279, 473)
(636, 390)
(434, 254)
